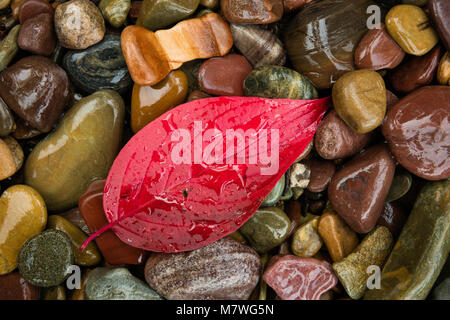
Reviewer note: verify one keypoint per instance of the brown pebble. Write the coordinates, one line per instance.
(252, 11)
(321, 173)
(32, 8)
(37, 36)
(393, 217)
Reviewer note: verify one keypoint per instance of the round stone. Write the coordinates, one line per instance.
(45, 259)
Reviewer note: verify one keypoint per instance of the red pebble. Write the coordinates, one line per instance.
(295, 278)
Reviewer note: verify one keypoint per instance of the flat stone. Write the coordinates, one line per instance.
(252, 11)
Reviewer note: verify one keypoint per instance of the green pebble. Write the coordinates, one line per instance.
(44, 259)
(115, 11)
(421, 249)
(117, 284)
(275, 82)
(274, 196)
(266, 229)
(9, 47)
(156, 14)
(400, 185)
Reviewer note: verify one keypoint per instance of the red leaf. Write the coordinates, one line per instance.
(155, 204)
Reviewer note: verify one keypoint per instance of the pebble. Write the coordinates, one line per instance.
(88, 257)
(323, 59)
(22, 215)
(439, 10)
(85, 145)
(11, 156)
(101, 66)
(442, 291)
(210, 4)
(37, 90)
(266, 229)
(150, 102)
(295, 278)
(112, 248)
(417, 129)
(45, 259)
(338, 237)
(443, 73)
(335, 140)
(79, 294)
(400, 185)
(9, 47)
(87, 29)
(32, 8)
(151, 56)
(275, 82)
(156, 14)
(117, 284)
(135, 8)
(421, 250)
(224, 270)
(393, 217)
(197, 95)
(291, 5)
(37, 36)
(321, 173)
(306, 241)
(54, 293)
(372, 251)
(7, 124)
(415, 71)
(115, 11)
(275, 194)
(24, 130)
(74, 217)
(299, 176)
(391, 100)
(260, 46)
(224, 76)
(409, 26)
(358, 191)
(252, 11)
(15, 7)
(14, 287)
(359, 98)
(377, 51)
(4, 3)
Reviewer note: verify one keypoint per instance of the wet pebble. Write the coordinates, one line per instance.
(415, 71)
(335, 140)
(7, 124)
(90, 154)
(11, 157)
(372, 251)
(275, 82)
(89, 256)
(306, 241)
(14, 287)
(343, 23)
(377, 50)
(359, 98)
(112, 248)
(197, 95)
(439, 11)
(260, 46)
(224, 76)
(150, 102)
(321, 173)
(101, 66)
(338, 237)
(74, 217)
(117, 284)
(400, 185)
(417, 129)
(156, 14)
(252, 11)
(358, 191)
(421, 249)
(443, 73)
(37, 36)
(79, 24)
(266, 229)
(409, 26)
(295, 278)
(37, 90)
(275, 194)
(45, 259)
(32, 8)
(115, 11)
(9, 47)
(23, 214)
(393, 217)
(222, 270)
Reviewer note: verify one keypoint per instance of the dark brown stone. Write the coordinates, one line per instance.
(252, 11)
(14, 287)
(321, 173)
(37, 35)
